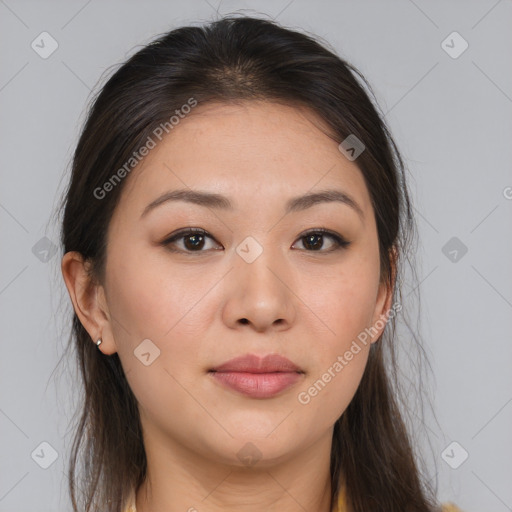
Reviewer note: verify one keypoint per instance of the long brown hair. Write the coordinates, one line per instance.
(239, 58)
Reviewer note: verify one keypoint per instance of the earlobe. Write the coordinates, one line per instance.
(84, 294)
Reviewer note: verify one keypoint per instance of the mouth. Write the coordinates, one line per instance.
(258, 377)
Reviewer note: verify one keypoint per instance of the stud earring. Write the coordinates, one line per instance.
(98, 343)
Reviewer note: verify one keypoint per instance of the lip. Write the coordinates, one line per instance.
(251, 363)
(258, 377)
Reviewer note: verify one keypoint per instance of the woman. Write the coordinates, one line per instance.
(234, 231)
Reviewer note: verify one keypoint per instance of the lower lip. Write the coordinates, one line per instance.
(258, 385)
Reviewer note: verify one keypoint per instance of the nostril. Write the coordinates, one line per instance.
(244, 321)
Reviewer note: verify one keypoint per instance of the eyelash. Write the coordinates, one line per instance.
(340, 242)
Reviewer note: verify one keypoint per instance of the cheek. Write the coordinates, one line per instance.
(342, 354)
(169, 312)
(137, 303)
(346, 302)
(327, 394)
(150, 304)
(145, 306)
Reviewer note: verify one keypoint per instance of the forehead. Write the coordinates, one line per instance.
(252, 151)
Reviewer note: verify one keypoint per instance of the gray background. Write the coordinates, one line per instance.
(452, 119)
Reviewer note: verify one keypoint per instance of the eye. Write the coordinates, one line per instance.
(194, 240)
(314, 240)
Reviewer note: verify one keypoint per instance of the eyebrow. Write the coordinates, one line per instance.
(217, 201)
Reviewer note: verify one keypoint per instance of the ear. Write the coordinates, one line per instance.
(384, 300)
(88, 300)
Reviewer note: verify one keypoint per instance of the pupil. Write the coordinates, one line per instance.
(313, 237)
(196, 244)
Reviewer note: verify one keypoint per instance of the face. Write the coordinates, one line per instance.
(258, 278)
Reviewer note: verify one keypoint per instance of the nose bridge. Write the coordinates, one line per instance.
(258, 265)
(259, 292)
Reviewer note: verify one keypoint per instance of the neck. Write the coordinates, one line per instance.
(180, 479)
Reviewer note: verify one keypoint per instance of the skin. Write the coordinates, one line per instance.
(304, 304)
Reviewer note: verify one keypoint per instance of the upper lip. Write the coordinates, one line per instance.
(251, 363)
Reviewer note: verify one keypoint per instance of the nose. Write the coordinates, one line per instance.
(260, 294)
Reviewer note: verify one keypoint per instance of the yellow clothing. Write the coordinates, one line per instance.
(447, 507)
(451, 507)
